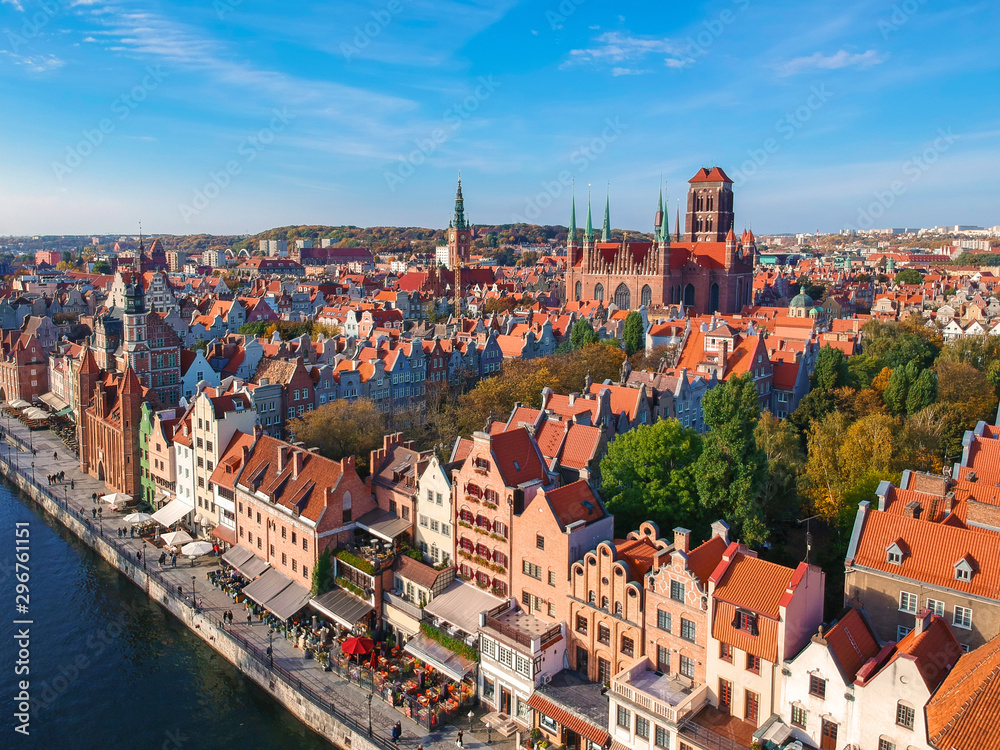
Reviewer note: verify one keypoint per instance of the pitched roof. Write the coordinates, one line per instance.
(965, 711)
(517, 457)
(932, 549)
(575, 502)
(852, 642)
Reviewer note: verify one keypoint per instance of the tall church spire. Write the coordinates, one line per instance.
(677, 222)
(589, 234)
(665, 226)
(138, 257)
(658, 220)
(459, 221)
(606, 233)
(572, 218)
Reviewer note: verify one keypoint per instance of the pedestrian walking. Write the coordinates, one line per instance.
(249, 619)
(459, 741)
(55, 455)
(72, 484)
(131, 532)
(163, 559)
(100, 512)
(395, 733)
(93, 512)
(138, 554)
(93, 497)
(173, 561)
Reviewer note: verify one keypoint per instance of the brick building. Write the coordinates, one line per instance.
(24, 367)
(311, 504)
(709, 271)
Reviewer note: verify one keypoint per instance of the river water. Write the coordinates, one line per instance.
(109, 668)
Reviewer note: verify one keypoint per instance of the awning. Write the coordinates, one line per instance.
(172, 512)
(245, 561)
(270, 584)
(459, 605)
(225, 533)
(343, 607)
(383, 524)
(289, 601)
(451, 664)
(53, 401)
(64, 411)
(568, 720)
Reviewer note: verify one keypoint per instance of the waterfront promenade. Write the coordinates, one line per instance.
(305, 676)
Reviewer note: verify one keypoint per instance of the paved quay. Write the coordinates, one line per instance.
(50, 456)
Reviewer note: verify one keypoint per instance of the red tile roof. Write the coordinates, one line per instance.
(965, 711)
(852, 642)
(570, 721)
(574, 502)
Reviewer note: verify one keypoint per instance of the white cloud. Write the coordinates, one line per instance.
(35, 63)
(628, 72)
(618, 47)
(836, 61)
(16, 4)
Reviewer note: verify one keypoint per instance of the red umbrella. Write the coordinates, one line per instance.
(357, 646)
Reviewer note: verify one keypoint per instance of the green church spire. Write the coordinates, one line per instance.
(659, 215)
(665, 227)
(572, 218)
(589, 234)
(606, 234)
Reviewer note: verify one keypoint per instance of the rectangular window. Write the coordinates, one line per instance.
(663, 659)
(751, 706)
(552, 578)
(435, 525)
(305, 544)
(624, 717)
(799, 717)
(284, 559)
(884, 744)
(687, 667)
(628, 646)
(641, 727)
(539, 541)
(446, 529)
(963, 618)
(753, 664)
(305, 571)
(907, 602)
(423, 522)
(531, 570)
(687, 629)
(663, 620)
(905, 715)
(726, 652)
(725, 696)
(677, 591)
(817, 686)
(662, 737)
(284, 534)
(901, 632)
(604, 635)
(936, 607)
(581, 625)
(295, 564)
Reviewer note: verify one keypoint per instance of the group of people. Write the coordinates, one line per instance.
(163, 560)
(130, 533)
(61, 477)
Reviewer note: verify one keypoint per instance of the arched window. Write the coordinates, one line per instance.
(713, 298)
(604, 602)
(623, 297)
(579, 291)
(618, 608)
(599, 292)
(689, 295)
(646, 296)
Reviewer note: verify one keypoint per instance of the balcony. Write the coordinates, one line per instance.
(671, 697)
(401, 603)
(521, 628)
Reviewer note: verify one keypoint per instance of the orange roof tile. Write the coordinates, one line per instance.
(965, 711)
(852, 642)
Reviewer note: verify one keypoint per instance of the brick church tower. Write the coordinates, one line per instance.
(459, 232)
(709, 206)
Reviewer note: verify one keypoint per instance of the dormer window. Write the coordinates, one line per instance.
(894, 554)
(963, 570)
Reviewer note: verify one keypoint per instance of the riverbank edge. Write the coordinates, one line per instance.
(302, 707)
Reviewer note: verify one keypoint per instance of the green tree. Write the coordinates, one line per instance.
(648, 475)
(632, 334)
(895, 393)
(102, 267)
(582, 334)
(897, 344)
(909, 276)
(731, 469)
(322, 575)
(922, 393)
(831, 369)
(780, 443)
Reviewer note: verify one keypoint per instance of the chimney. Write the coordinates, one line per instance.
(682, 539)
(912, 509)
(721, 528)
(282, 457)
(725, 352)
(949, 503)
(923, 621)
(572, 398)
(298, 461)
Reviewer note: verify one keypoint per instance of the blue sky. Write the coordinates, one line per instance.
(239, 115)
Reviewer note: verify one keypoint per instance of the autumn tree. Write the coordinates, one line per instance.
(648, 474)
(342, 428)
(632, 334)
(964, 386)
(831, 369)
(731, 470)
(778, 440)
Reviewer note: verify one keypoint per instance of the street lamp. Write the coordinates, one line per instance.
(370, 696)
(32, 472)
(270, 646)
(193, 599)
(489, 733)
(470, 720)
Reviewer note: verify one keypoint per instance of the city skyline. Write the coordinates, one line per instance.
(184, 115)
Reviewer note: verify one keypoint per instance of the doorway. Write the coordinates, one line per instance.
(828, 737)
(505, 701)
